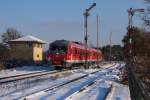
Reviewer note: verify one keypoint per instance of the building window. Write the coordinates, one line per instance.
(38, 45)
(30, 44)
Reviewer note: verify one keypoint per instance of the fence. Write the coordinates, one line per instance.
(137, 90)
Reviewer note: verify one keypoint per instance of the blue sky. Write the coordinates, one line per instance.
(63, 19)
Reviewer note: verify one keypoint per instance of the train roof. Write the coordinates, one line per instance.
(60, 42)
(77, 44)
(65, 42)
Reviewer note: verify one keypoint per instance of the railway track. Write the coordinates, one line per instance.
(55, 86)
(28, 75)
(25, 76)
(52, 88)
(81, 90)
(17, 84)
(1, 78)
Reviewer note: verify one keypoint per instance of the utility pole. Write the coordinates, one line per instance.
(86, 14)
(110, 46)
(97, 40)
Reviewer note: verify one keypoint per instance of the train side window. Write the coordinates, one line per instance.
(82, 53)
(76, 51)
(95, 54)
(90, 53)
(72, 50)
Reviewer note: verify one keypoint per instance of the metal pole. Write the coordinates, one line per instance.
(110, 47)
(130, 15)
(86, 38)
(86, 14)
(97, 40)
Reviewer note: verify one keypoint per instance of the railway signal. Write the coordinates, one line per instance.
(131, 13)
(134, 82)
(86, 14)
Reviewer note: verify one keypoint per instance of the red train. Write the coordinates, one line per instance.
(63, 53)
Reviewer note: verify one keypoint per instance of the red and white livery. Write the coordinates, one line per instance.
(65, 53)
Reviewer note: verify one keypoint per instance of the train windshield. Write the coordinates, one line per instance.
(54, 49)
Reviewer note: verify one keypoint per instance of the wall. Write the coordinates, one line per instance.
(21, 51)
(37, 52)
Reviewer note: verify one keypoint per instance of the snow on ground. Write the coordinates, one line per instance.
(119, 92)
(103, 85)
(101, 88)
(24, 70)
(107, 66)
(31, 69)
(25, 87)
(98, 91)
(29, 86)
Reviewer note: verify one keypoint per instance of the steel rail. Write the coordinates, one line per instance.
(81, 90)
(1, 78)
(55, 86)
(60, 85)
(25, 76)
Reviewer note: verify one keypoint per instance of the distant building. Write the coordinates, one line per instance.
(27, 48)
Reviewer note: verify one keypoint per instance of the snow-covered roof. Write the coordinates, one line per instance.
(28, 39)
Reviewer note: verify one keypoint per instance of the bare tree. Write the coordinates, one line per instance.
(148, 1)
(10, 34)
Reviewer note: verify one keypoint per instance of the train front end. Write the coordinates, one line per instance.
(58, 53)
